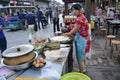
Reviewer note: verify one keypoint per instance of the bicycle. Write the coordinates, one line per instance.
(94, 27)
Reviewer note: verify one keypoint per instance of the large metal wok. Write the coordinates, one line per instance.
(19, 57)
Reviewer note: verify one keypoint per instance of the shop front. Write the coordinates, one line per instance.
(22, 3)
(4, 2)
(42, 3)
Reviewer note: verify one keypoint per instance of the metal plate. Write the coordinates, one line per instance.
(18, 51)
(60, 39)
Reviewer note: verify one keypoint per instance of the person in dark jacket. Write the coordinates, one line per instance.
(50, 14)
(39, 17)
(56, 20)
(3, 41)
(31, 22)
(47, 15)
(22, 18)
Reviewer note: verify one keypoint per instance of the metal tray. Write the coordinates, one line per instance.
(69, 41)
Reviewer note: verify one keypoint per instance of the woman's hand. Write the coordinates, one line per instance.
(0, 28)
(66, 34)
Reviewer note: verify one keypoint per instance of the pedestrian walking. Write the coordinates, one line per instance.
(50, 14)
(47, 15)
(99, 14)
(56, 20)
(32, 27)
(22, 18)
(39, 18)
(3, 41)
(6, 17)
(82, 39)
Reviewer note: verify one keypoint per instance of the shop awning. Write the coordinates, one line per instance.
(44, 0)
(69, 1)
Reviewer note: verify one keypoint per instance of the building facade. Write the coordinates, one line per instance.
(42, 3)
(4, 2)
(22, 2)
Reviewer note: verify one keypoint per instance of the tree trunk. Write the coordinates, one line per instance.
(88, 9)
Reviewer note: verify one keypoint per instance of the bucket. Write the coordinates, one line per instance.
(75, 76)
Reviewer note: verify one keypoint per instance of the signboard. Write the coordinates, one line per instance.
(26, 0)
(117, 1)
(4, 0)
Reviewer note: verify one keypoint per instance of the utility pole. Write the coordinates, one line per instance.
(88, 9)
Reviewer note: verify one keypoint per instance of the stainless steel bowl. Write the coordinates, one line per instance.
(39, 50)
(21, 66)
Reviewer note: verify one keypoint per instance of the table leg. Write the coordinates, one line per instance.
(70, 60)
(111, 51)
(108, 28)
(113, 30)
(105, 43)
(110, 42)
(117, 56)
(117, 28)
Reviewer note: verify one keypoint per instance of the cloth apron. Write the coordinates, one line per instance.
(80, 44)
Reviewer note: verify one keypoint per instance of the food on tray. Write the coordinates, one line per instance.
(38, 46)
(39, 63)
(19, 60)
(53, 45)
(40, 41)
(60, 38)
(60, 59)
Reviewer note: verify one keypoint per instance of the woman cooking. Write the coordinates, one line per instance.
(81, 36)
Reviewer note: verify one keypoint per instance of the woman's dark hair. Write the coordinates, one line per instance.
(76, 7)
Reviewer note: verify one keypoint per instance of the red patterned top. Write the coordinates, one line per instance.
(84, 29)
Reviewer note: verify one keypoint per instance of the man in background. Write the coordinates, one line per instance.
(50, 14)
(56, 20)
(39, 17)
(99, 14)
(111, 14)
(22, 18)
(30, 21)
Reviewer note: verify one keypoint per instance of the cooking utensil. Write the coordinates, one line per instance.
(18, 51)
(21, 66)
(62, 39)
(41, 49)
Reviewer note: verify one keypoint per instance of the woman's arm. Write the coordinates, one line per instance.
(0, 27)
(73, 31)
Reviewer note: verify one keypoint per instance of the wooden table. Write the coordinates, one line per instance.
(59, 67)
(115, 24)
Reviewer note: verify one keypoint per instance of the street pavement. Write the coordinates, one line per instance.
(21, 37)
(99, 67)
